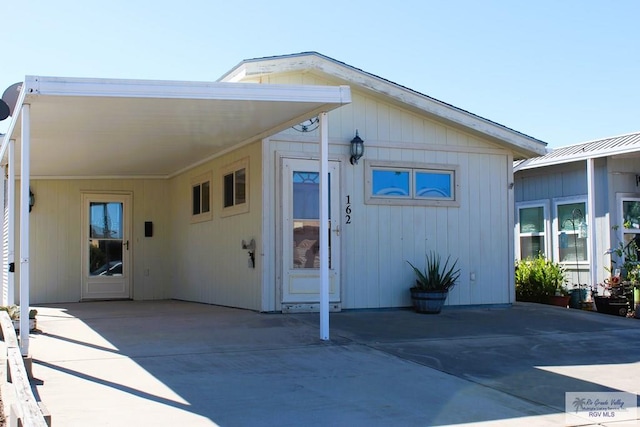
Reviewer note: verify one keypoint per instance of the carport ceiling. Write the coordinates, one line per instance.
(126, 128)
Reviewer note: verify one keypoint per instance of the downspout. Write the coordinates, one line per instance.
(324, 230)
(24, 229)
(592, 247)
(512, 232)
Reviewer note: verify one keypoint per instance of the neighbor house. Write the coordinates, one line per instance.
(576, 203)
(209, 192)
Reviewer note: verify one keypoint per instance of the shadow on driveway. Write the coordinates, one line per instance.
(176, 363)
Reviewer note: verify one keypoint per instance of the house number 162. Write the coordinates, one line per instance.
(347, 211)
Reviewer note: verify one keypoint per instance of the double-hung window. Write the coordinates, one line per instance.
(201, 198)
(235, 188)
(571, 230)
(531, 228)
(399, 183)
(630, 224)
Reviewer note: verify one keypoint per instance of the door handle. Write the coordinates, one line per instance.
(126, 244)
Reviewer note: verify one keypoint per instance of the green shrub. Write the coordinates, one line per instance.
(539, 278)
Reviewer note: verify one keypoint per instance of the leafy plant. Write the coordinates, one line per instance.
(14, 312)
(539, 278)
(625, 257)
(436, 276)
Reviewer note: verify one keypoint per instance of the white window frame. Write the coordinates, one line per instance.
(199, 181)
(622, 230)
(546, 234)
(233, 168)
(412, 168)
(556, 229)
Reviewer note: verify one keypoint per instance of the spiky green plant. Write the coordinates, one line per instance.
(436, 276)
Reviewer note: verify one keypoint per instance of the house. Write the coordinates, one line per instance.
(209, 192)
(576, 203)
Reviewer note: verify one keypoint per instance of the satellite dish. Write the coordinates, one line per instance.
(4, 110)
(10, 96)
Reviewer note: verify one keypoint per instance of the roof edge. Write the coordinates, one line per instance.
(520, 142)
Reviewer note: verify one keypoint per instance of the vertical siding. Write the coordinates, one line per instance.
(376, 246)
(56, 244)
(210, 265)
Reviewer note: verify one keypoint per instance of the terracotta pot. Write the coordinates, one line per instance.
(559, 300)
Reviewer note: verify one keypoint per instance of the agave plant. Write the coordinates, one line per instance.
(436, 276)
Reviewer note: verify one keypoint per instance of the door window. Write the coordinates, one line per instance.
(105, 238)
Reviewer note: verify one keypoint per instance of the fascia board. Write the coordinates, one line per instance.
(532, 164)
(55, 86)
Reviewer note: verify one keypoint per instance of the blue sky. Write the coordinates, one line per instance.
(563, 71)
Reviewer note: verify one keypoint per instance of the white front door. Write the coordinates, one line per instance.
(301, 238)
(106, 267)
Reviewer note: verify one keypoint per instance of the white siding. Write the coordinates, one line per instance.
(210, 265)
(56, 219)
(376, 246)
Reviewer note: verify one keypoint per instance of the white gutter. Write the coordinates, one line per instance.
(324, 221)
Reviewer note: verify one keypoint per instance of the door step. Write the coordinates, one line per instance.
(312, 307)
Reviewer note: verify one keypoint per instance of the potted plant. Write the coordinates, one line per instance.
(433, 283)
(14, 314)
(616, 302)
(541, 280)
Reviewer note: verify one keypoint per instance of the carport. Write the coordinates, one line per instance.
(66, 128)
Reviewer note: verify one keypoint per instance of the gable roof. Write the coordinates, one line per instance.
(523, 146)
(611, 146)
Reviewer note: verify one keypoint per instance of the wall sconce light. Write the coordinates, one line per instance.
(32, 200)
(357, 149)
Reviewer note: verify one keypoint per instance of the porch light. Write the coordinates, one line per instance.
(357, 149)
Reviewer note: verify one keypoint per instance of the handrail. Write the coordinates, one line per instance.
(28, 408)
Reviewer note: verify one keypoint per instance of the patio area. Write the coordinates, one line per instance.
(167, 363)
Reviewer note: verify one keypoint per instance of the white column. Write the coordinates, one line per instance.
(592, 250)
(24, 229)
(11, 202)
(324, 227)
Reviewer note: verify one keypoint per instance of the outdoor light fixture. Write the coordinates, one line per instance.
(357, 149)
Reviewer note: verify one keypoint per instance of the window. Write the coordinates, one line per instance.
(571, 228)
(201, 198)
(630, 222)
(398, 183)
(531, 228)
(235, 188)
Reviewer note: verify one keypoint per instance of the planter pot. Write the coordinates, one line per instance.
(559, 300)
(32, 324)
(577, 297)
(429, 302)
(617, 306)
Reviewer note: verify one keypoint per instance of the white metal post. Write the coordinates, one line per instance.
(324, 227)
(24, 229)
(591, 224)
(11, 211)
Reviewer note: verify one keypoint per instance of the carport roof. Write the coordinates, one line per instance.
(135, 128)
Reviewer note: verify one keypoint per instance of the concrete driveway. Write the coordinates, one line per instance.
(172, 363)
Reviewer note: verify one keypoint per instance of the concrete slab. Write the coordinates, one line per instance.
(170, 363)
